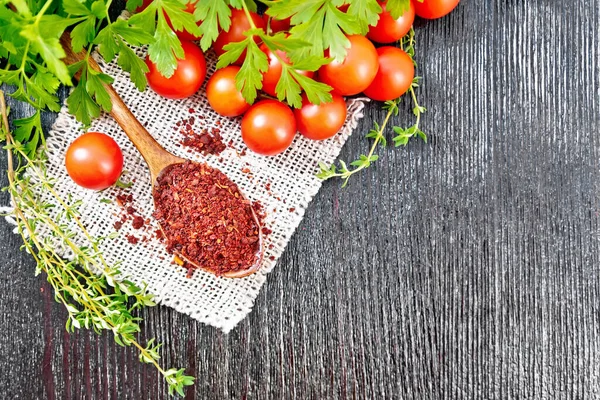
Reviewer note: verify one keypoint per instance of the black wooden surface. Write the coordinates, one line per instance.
(467, 267)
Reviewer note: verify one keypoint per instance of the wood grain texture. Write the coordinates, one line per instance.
(462, 268)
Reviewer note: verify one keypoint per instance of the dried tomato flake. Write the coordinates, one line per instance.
(205, 142)
(137, 222)
(205, 218)
(132, 239)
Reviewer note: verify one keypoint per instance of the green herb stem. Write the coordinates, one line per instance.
(247, 12)
(104, 311)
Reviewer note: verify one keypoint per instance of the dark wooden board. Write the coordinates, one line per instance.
(467, 267)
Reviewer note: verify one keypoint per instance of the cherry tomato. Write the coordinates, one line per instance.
(395, 75)
(239, 25)
(268, 127)
(277, 25)
(321, 121)
(94, 161)
(356, 72)
(388, 29)
(188, 76)
(432, 9)
(185, 35)
(273, 74)
(222, 94)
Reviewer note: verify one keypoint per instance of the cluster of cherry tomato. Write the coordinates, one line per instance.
(269, 126)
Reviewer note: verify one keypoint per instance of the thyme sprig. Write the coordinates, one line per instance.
(94, 293)
(401, 137)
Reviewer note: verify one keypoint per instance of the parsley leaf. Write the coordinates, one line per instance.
(28, 131)
(136, 66)
(83, 34)
(398, 7)
(213, 14)
(166, 48)
(111, 40)
(318, 22)
(366, 13)
(249, 77)
(81, 101)
(41, 88)
(43, 34)
(292, 83)
(95, 87)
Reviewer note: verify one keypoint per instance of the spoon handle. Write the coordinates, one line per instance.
(155, 155)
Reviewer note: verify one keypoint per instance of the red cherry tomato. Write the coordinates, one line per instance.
(185, 35)
(321, 121)
(388, 29)
(268, 127)
(432, 9)
(273, 74)
(188, 76)
(239, 25)
(356, 72)
(222, 94)
(395, 75)
(94, 161)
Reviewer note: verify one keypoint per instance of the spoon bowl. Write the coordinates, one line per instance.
(157, 158)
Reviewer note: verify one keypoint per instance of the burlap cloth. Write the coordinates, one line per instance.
(283, 184)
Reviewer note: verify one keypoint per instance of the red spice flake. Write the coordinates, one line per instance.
(130, 210)
(259, 209)
(266, 231)
(123, 199)
(205, 142)
(271, 246)
(268, 186)
(118, 225)
(243, 152)
(246, 170)
(230, 143)
(132, 239)
(272, 258)
(205, 218)
(292, 209)
(137, 222)
(190, 273)
(191, 111)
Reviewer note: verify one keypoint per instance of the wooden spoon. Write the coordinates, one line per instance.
(157, 158)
